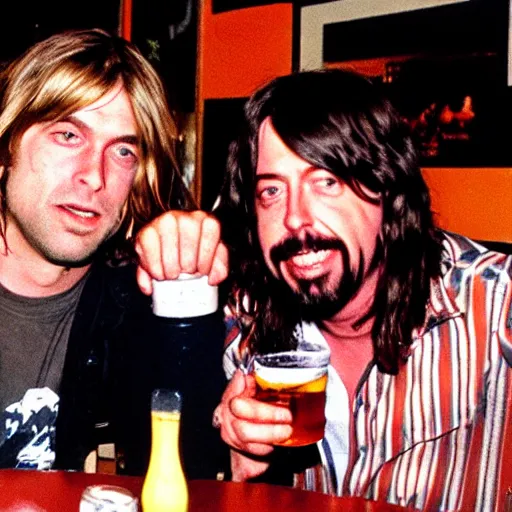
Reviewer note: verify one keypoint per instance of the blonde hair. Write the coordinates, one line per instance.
(72, 70)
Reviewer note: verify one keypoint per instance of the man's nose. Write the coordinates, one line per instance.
(298, 214)
(92, 169)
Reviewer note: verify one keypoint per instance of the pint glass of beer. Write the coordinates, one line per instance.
(295, 379)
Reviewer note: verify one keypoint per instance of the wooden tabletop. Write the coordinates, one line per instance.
(58, 491)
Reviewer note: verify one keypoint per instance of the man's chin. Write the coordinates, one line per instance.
(316, 303)
(323, 287)
(71, 258)
(316, 308)
(68, 261)
(77, 254)
(324, 298)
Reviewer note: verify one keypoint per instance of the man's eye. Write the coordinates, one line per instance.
(269, 192)
(329, 182)
(65, 136)
(125, 155)
(124, 152)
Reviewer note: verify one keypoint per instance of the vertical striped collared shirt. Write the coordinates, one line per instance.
(437, 436)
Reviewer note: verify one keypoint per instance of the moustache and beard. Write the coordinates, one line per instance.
(320, 298)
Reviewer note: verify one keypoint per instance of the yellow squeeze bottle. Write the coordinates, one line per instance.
(165, 488)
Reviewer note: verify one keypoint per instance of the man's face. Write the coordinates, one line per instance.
(69, 180)
(315, 232)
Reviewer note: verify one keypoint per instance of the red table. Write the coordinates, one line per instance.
(60, 491)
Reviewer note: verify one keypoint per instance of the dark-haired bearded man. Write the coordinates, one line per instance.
(332, 241)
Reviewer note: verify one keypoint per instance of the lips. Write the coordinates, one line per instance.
(81, 210)
(85, 214)
(79, 219)
(309, 264)
(309, 258)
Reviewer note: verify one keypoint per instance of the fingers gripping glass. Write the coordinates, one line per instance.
(296, 380)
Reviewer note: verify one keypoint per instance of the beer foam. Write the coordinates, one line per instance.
(287, 376)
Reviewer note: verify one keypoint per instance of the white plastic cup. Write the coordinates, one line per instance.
(108, 498)
(188, 296)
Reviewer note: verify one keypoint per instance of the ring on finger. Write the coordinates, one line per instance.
(216, 421)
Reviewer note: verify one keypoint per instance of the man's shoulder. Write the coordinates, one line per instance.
(476, 288)
(469, 271)
(112, 290)
(471, 276)
(457, 246)
(461, 253)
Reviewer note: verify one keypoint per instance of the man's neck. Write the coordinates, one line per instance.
(25, 272)
(351, 346)
(344, 326)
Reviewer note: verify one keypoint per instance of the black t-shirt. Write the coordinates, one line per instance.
(34, 333)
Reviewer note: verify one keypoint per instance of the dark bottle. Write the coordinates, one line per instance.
(190, 360)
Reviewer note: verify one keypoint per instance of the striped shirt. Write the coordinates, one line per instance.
(437, 436)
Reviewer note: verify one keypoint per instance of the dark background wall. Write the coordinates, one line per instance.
(26, 22)
(166, 33)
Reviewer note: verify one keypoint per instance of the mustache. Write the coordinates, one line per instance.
(293, 245)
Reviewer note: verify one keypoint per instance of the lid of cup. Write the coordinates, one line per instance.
(188, 296)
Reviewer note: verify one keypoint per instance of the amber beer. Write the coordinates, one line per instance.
(281, 381)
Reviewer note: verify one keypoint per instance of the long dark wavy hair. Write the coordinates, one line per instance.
(341, 122)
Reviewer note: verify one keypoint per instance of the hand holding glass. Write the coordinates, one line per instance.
(297, 380)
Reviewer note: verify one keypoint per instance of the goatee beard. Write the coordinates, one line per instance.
(317, 298)
(325, 303)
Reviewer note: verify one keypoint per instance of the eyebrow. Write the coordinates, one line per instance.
(276, 176)
(267, 176)
(128, 139)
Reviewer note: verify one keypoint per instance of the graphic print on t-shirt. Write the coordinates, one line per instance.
(27, 431)
(34, 333)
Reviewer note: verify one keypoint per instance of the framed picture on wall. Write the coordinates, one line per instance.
(444, 64)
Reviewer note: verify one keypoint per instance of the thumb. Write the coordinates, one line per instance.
(219, 270)
(144, 281)
(236, 386)
(250, 386)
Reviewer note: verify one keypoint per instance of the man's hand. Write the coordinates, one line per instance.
(250, 426)
(178, 242)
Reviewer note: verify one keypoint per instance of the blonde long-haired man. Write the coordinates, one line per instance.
(87, 159)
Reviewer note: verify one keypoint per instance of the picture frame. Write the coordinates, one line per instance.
(444, 64)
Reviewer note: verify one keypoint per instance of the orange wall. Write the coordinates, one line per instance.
(476, 202)
(240, 50)
(237, 51)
